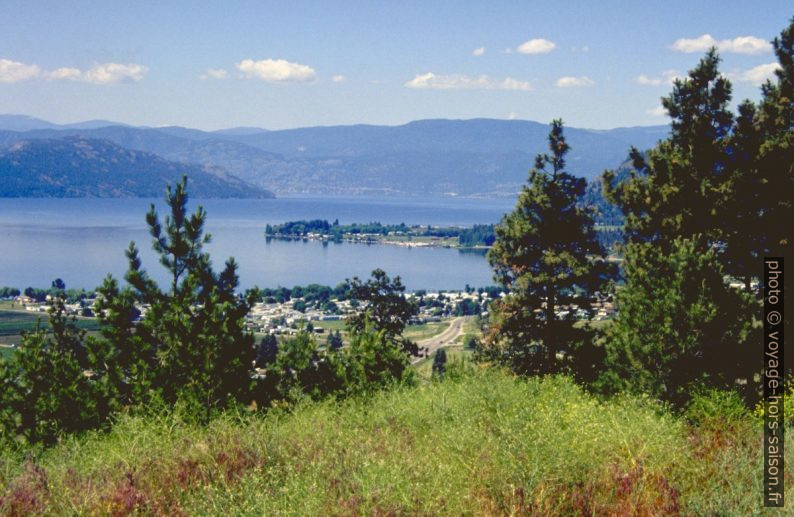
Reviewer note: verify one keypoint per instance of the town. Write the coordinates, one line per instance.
(285, 311)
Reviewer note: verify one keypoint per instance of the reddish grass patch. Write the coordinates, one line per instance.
(28, 494)
(127, 498)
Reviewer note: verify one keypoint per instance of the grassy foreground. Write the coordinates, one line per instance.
(486, 443)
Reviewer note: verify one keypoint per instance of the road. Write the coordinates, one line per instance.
(428, 346)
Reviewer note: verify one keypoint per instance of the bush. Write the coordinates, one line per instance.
(440, 363)
(788, 406)
(46, 389)
(710, 406)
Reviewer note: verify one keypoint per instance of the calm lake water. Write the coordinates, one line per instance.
(81, 240)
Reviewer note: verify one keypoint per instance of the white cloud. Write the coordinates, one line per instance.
(512, 116)
(571, 82)
(667, 77)
(339, 78)
(14, 71)
(65, 74)
(105, 73)
(465, 82)
(647, 81)
(740, 45)
(110, 73)
(536, 46)
(479, 51)
(658, 111)
(214, 73)
(757, 75)
(276, 70)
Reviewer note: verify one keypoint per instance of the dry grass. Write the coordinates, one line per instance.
(480, 443)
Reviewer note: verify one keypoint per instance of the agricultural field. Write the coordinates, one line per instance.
(14, 321)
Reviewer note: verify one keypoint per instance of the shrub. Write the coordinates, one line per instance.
(710, 406)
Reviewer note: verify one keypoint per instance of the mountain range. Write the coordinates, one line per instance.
(80, 167)
(483, 157)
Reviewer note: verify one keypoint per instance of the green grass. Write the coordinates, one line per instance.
(455, 355)
(425, 330)
(330, 324)
(13, 322)
(415, 332)
(484, 444)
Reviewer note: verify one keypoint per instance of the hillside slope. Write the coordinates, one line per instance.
(462, 157)
(78, 167)
(485, 443)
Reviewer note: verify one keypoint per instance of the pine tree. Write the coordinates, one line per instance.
(385, 309)
(440, 363)
(679, 325)
(191, 343)
(678, 188)
(47, 386)
(776, 155)
(678, 322)
(302, 368)
(374, 359)
(266, 351)
(743, 228)
(334, 341)
(547, 256)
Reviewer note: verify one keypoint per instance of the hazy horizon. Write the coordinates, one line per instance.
(211, 66)
(224, 128)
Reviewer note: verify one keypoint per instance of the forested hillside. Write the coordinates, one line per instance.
(463, 157)
(78, 167)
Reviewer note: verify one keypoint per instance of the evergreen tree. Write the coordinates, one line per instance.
(191, 342)
(547, 256)
(678, 188)
(374, 360)
(266, 351)
(385, 309)
(131, 364)
(776, 154)
(335, 341)
(302, 368)
(440, 363)
(679, 325)
(743, 220)
(47, 388)
(678, 322)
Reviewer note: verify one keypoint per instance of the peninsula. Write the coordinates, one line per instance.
(479, 236)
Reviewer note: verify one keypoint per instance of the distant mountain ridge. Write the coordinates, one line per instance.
(481, 157)
(79, 167)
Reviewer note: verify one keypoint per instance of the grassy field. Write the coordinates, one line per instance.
(13, 322)
(485, 443)
(425, 330)
(330, 325)
(414, 332)
(457, 357)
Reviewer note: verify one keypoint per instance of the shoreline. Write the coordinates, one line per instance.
(375, 240)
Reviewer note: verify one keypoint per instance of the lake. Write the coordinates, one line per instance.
(81, 240)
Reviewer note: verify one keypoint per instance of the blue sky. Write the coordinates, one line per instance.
(287, 64)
